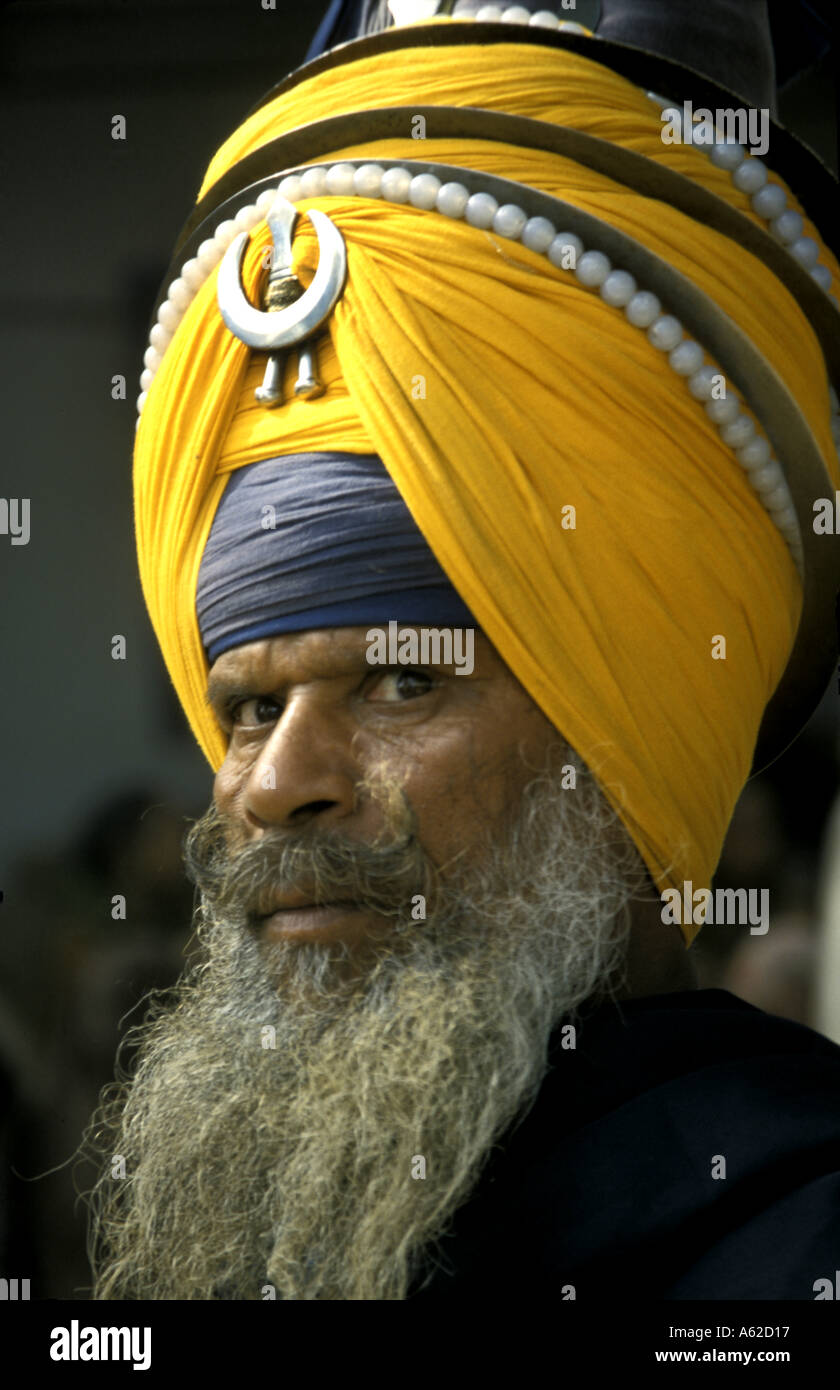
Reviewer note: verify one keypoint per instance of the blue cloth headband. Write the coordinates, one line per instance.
(316, 540)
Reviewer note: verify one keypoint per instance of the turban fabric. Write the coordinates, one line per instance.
(348, 551)
(573, 492)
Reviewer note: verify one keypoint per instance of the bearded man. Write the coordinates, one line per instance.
(527, 373)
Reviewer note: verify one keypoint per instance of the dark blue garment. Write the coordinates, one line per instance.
(607, 1183)
(324, 36)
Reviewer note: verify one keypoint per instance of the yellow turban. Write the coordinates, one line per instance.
(541, 407)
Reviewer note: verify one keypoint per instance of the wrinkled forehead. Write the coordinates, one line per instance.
(349, 654)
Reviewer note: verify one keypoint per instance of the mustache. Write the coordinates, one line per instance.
(243, 883)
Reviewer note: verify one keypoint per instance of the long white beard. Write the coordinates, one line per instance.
(283, 1112)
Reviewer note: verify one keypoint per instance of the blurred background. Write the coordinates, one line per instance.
(102, 775)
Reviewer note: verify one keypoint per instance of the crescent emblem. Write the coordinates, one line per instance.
(266, 330)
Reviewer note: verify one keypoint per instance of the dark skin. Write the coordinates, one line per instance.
(310, 706)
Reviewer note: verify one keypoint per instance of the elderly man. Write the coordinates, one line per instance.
(480, 435)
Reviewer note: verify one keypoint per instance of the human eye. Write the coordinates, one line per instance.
(401, 684)
(251, 713)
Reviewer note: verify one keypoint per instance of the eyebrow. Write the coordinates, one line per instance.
(221, 692)
(224, 691)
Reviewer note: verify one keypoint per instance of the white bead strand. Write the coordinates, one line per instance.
(767, 200)
(518, 14)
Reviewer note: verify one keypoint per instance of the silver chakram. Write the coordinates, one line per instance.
(293, 313)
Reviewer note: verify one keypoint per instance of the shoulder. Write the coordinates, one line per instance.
(711, 1140)
(682, 1146)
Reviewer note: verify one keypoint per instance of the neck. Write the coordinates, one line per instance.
(658, 961)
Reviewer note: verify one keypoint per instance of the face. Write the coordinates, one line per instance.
(310, 721)
(312, 1057)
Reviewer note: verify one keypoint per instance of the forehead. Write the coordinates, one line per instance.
(325, 652)
(322, 647)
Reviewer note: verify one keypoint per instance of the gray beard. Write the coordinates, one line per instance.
(303, 1123)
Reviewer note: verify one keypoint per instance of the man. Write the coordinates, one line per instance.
(443, 1027)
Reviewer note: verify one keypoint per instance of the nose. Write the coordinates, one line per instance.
(305, 771)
